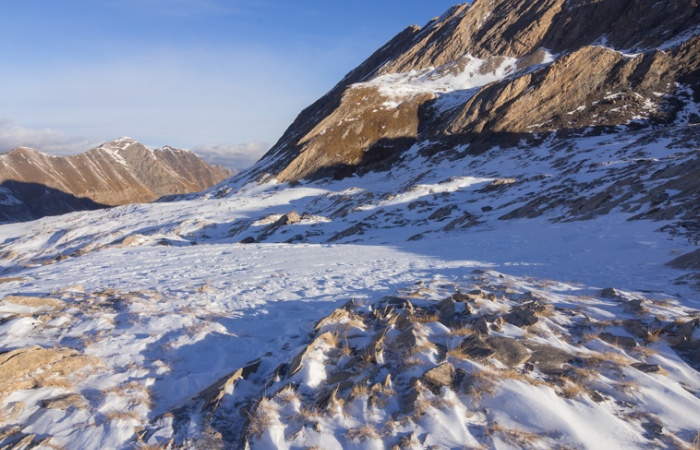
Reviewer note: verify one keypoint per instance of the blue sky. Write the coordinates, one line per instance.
(221, 77)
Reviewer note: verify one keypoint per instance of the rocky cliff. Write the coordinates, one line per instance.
(34, 184)
(494, 73)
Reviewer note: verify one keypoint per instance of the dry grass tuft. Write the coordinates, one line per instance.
(363, 433)
(570, 388)
(427, 401)
(203, 289)
(654, 335)
(46, 443)
(518, 438)
(479, 383)
(457, 353)
(122, 415)
(331, 339)
(262, 418)
(627, 386)
(579, 374)
(354, 321)
(512, 374)
(466, 330)
(644, 352)
(423, 347)
(287, 395)
(426, 318)
(412, 360)
(346, 349)
(608, 358)
(307, 413)
(359, 390)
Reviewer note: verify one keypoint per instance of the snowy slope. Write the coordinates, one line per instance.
(166, 302)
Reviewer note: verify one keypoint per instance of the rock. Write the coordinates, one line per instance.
(498, 185)
(247, 240)
(635, 306)
(65, 401)
(647, 368)
(548, 359)
(407, 340)
(689, 261)
(327, 398)
(374, 349)
(357, 229)
(466, 220)
(508, 351)
(296, 363)
(447, 311)
(20, 369)
(611, 293)
(636, 328)
(440, 376)
(26, 442)
(212, 396)
(521, 317)
(476, 348)
(442, 213)
(407, 442)
(621, 341)
(334, 317)
(481, 326)
(685, 330)
(472, 295)
(653, 430)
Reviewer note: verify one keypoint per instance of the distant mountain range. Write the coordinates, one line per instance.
(34, 184)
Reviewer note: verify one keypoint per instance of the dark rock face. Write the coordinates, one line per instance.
(34, 184)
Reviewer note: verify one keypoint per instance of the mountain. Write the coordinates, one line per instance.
(485, 236)
(494, 73)
(34, 184)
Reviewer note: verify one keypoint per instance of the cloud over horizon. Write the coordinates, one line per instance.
(232, 156)
(45, 140)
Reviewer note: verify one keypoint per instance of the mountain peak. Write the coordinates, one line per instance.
(120, 143)
(493, 73)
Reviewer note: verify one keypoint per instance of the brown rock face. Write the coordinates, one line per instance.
(493, 73)
(34, 184)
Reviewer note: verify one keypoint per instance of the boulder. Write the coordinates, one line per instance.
(440, 376)
(620, 341)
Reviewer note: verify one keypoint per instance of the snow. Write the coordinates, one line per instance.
(454, 83)
(184, 304)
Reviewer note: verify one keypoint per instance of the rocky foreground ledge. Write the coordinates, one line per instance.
(505, 361)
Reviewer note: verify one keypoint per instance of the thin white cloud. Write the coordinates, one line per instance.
(45, 140)
(232, 156)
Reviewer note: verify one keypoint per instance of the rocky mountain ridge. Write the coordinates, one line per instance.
(34, 184)
(493, 73)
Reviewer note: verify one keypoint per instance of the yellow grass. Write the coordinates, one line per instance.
(363, 433)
